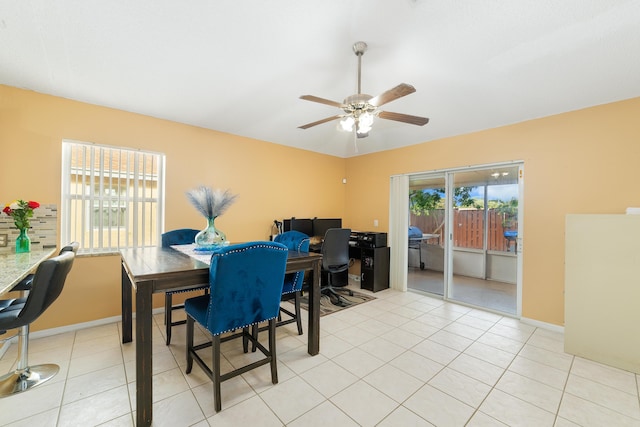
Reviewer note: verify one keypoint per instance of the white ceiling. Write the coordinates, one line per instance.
(239, 66)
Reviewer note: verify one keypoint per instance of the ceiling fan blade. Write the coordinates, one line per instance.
(322, 101)
(405, 118)
(319, 122)
(399, 91)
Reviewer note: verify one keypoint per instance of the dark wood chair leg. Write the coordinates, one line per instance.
(168, 303)
(245, 340)
(272, 351)
(298, 295)
(216, 373)
(254, 333)
(190, 323)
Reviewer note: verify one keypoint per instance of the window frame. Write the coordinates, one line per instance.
(88, 184)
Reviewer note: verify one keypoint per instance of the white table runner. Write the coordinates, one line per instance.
(190, 249)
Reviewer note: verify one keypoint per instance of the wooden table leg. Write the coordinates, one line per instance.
(144, 320)
(313, 346)
(126, 307)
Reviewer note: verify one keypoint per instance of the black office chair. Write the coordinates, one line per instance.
(26, 283)
(181, 236)
(335, 259)
(48, 282)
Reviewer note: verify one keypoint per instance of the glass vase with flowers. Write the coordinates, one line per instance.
(21, 211)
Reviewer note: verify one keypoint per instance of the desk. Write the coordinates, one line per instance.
(15, 267)
(156, 269)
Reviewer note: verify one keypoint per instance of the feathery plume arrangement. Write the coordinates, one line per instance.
(210, 203)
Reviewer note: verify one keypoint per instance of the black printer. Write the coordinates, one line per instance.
(371, 240)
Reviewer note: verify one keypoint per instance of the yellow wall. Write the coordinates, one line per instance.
(578, 162)
(584, 161)
(272, 181)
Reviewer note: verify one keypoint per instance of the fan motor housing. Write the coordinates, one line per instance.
(359, 101)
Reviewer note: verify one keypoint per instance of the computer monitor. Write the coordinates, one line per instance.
(321, 225)
(302, 225)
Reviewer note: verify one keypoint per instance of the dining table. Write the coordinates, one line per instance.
(16, 266)
(149, 270)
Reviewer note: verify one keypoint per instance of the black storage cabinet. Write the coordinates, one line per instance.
(374, 268)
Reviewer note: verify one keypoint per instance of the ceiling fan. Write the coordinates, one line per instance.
(360, 109)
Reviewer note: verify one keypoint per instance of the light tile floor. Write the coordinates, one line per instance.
(404, 359)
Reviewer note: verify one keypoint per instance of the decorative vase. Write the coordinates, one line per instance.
(211, 237)
(23, 243)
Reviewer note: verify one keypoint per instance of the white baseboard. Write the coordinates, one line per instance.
(70, 328)
(543, 325)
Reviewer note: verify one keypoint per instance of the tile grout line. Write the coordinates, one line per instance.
(547, 343)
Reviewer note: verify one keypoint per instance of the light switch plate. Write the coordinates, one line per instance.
(4, 240)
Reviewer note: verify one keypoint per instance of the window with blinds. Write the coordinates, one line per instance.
(112, 197)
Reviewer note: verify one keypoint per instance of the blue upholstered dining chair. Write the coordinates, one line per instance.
(182, 236)
(294, 241)
(245, 283)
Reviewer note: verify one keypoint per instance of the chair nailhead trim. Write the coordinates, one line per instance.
(258, 245)
(233, 329)
(302, 242)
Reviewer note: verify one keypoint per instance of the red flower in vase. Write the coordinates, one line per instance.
(21, 211)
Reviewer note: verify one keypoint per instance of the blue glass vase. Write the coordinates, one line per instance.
(211, 237)
(23, 243)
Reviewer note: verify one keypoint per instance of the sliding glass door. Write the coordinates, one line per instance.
(427, 232)
(484, 218)
(464, 233)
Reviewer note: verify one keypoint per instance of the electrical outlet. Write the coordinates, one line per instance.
(4, 240)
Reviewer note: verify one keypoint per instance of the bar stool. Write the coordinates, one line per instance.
(48, 282)
(25, 284)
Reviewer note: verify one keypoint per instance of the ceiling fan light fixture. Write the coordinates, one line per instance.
(347, 123)
(363, 130)
(365, 122)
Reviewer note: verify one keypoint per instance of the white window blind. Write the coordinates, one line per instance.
(112, 197)
(399, 231)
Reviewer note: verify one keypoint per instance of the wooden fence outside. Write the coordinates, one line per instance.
(467, 228)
